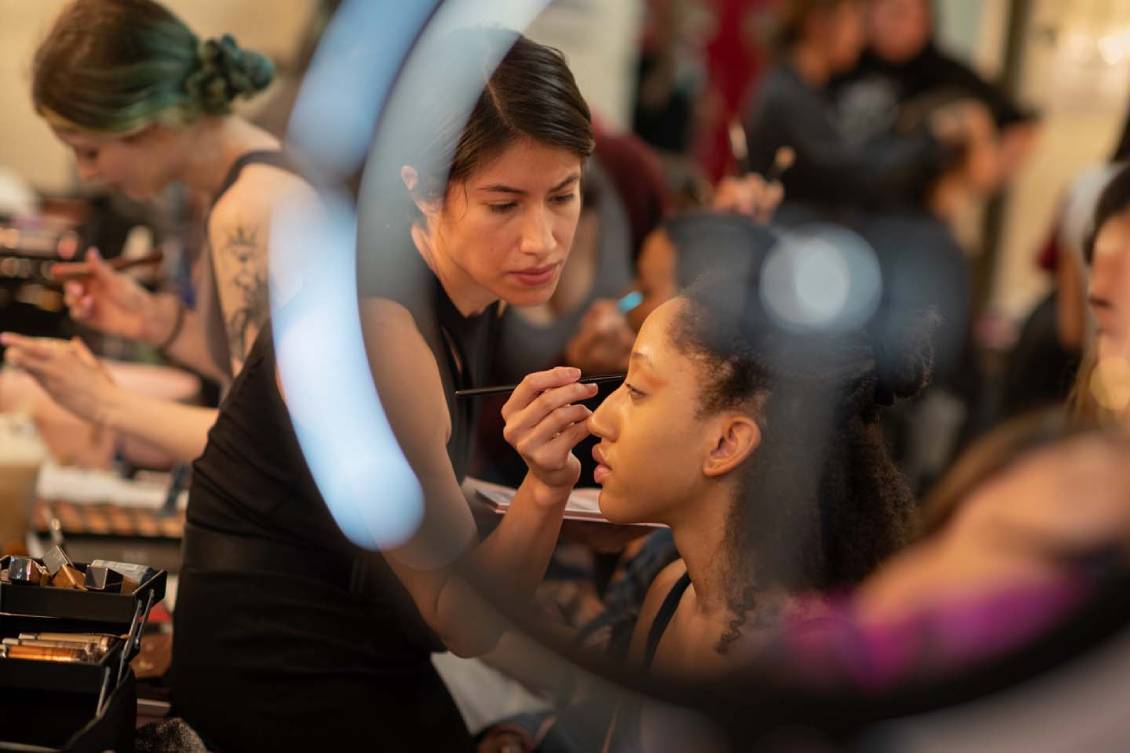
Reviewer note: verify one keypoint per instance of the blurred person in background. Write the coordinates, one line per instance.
(1009, 544)
(1102, 390)
(833, 177)
(898, 189)
(144, 103)
(1045, 361)
(672, 74)
(903, 64)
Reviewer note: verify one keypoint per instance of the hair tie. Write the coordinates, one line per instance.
(225, 72)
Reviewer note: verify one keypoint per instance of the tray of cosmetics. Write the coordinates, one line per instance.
(112, 594)
(87, 663)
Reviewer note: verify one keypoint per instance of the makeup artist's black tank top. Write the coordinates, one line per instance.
(287, 636)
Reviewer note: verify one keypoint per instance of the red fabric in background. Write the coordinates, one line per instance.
(734, 65)
(638, 176)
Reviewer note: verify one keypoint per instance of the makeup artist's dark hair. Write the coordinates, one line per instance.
(1114, 200)
(821, 503)
(531, 94)
(116, 66)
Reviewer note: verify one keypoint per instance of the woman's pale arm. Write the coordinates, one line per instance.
(76, 380)
(542, 422)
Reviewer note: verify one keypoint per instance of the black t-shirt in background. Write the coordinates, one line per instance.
(869, 98)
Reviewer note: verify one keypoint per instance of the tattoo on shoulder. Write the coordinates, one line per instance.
(250, 281)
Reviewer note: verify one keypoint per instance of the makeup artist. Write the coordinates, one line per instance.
(144, 103)
(289, 637)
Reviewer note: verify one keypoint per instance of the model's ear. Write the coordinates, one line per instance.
(736, 438)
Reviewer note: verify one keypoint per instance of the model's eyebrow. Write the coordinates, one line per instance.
(638, 356)
(503, 188)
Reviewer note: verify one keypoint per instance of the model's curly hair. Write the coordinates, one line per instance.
(820, 502)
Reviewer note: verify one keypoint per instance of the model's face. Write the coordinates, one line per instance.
(899, 29)
(1110, 287)
(138, 165)
(657, 451)
(509, 227)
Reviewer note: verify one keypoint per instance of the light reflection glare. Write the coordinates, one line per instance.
(349, 446)
(821, 278)
(369, 49)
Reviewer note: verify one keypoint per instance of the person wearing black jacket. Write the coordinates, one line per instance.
(833, 174)
(903, 65)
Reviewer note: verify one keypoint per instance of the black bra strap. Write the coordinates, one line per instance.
(663, 617)
(272, 157)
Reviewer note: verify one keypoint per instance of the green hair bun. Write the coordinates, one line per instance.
(226, 71)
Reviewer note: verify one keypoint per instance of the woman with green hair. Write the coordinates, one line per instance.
(144, 103)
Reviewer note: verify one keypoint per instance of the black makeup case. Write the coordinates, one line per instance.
(80, 706)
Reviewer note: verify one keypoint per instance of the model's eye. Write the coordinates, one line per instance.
(565, 198)
(503, 208)
(633, 393)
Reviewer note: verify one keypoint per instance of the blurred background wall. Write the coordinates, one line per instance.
(1074, 66)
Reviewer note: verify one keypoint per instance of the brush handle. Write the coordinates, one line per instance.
(505, 389)
(66, 271)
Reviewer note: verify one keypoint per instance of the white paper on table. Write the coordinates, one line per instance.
(583, 503)
(86, 486)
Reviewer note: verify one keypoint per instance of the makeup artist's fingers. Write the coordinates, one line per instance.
(552, 425)
(34, 363)
(557, 454)
(44, 346)
(520, 421)
(84, 355)
(568, 438)
(79, 300)
(536, 383)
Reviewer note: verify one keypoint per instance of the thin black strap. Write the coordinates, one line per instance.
(663, 618)
(272, 157)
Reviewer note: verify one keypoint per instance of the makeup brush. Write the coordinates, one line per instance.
(67, 271)
(505, 389)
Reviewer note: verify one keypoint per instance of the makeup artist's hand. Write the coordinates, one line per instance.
(66, 370)
(544, 422)
(750, 195)
(109, 301)
(603, 340)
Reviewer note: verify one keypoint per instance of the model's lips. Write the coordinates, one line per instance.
(602, 468)
(536, 276)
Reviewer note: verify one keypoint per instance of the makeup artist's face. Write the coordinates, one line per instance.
(1110, 287)
(653, 442)
(138, 165)
(510, 225)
